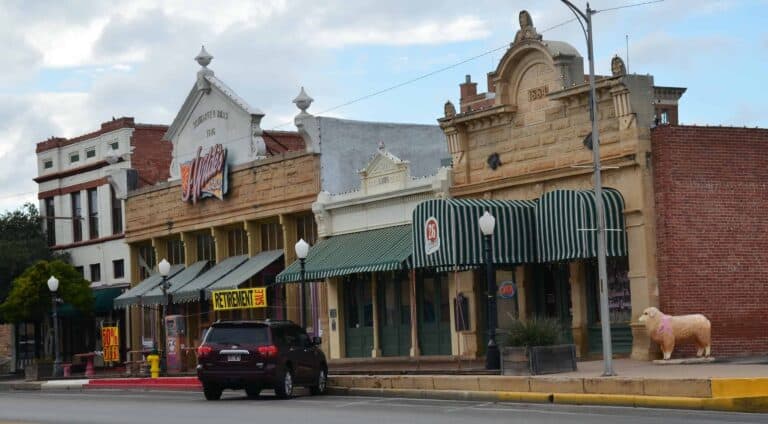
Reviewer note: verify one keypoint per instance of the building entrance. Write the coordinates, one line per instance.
(552, 295)
(358, 307)
(394, 308)
(434, 315)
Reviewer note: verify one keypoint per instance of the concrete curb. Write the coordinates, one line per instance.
(729, 404)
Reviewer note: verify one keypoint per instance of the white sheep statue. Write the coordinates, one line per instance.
(667, 330)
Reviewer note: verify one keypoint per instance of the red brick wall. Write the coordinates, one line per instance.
(6, 341)
(711, 188)
(151, 154)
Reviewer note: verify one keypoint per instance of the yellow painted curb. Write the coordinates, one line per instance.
(739, 387)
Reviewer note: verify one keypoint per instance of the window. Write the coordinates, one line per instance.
(306, 229)
(50, 222)
(271, 236)
(77, 216)
(147, 261)
(117, 212)
(237, 242)
(95, 272)
(114, 145)
(48, 164)
(93, 214)
(90, 153)
(206, 248)
(175, 249)
(664, 119)
(118, 268)
(148, 322)
(74, 157)
(80, 270)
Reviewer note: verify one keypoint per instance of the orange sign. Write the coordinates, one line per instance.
(110, 342)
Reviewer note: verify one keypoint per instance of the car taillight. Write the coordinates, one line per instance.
(203, 351)
(268, 351)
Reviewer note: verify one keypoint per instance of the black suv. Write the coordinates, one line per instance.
(254, 355)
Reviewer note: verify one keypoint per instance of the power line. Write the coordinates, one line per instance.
(446, 68)
(629, 5)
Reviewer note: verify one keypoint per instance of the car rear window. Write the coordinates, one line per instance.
(238, 335)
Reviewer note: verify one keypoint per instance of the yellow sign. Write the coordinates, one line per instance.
(240, 299)
(110, 342)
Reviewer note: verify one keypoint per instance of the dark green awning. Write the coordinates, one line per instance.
(384, 249)
(191, 291)
(155, 296)
(566, 222)
(132, 296)
(103, 298)
(459, 240)
(245, 271)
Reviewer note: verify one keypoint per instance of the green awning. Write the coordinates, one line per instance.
(245, 271)
(191, 292)
(566, 222)
(104, 297)
(385, 249)
(132, 296)
(458, 242)
(155, 296)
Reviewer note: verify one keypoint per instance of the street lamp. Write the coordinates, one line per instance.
(492, 358)
(53, 286)
(302, 248)
(605, 320)
(165, 268)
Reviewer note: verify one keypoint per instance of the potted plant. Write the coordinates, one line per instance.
(533, 347)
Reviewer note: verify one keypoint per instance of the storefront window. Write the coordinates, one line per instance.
(175, 249)
(206, 248)
(306, 229)
(271, 236)
(237, 242)
(147, 261)
(619, 296)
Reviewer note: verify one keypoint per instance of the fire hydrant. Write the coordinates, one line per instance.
(154, 364)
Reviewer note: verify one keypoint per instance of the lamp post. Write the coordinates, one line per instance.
(53, 286)
(605, 320)
(302, 248)
(164, 267)
(492, 358)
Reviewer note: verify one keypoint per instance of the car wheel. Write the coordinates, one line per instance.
(252, 391)
(322, 383)
(212, 392)
(284, 386)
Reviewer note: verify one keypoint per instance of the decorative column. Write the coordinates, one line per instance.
(292, 291)
(376, 352)
(415, 351)
(577, 281)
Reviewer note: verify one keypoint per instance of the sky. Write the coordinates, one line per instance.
(70, 65)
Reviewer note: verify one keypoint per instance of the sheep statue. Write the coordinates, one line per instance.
(666, 330)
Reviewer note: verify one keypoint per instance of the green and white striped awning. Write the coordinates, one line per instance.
(384, 249)
(566, 224)
(458, 241)
(133, 296)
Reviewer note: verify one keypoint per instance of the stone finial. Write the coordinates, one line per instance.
(303, 101)
(617, 66)
(449, 109)
(381, 145)
(203, 58)
(527, 30)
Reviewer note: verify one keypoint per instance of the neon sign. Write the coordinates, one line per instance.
(205, 176)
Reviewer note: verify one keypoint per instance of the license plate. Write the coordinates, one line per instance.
(233, 358)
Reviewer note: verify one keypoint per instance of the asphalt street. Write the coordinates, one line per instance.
(116, 407)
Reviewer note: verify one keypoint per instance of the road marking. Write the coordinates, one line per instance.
(482, 405)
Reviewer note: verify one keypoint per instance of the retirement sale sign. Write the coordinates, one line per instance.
(239, 299)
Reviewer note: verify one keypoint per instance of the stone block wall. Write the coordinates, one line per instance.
(6, 341)
(711, 193)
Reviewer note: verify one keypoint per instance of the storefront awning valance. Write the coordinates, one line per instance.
(132, 296)
(103, 298)
(566, 223)
(245, 271)
(384, 249)
(191, 292)
(155, 295)
(446, 233)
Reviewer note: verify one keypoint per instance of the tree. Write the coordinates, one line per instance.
(30, 298)
(22, 243)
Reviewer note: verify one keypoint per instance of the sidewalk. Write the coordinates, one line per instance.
(741, 387)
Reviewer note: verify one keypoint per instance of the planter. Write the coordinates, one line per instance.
(538, 360)
(38, 370)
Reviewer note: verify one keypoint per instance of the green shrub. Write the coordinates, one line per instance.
(534, 332)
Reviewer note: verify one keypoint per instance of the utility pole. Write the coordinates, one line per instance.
(605, 319)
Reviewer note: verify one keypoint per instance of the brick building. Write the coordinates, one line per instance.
(711, 195)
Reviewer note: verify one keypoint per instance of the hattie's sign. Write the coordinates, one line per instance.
(205, 176)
